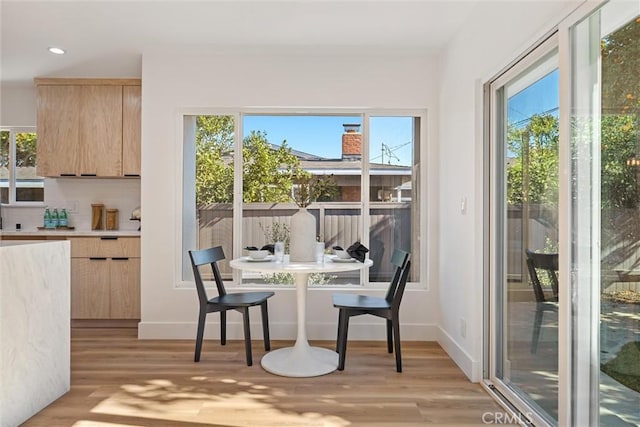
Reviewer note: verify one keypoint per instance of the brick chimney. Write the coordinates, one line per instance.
(351, 142)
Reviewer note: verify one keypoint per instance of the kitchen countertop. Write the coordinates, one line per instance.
(69, 233)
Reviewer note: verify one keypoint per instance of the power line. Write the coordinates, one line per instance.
(528, 119)
(391, 151)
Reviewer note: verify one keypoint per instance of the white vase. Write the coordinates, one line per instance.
(303, 236)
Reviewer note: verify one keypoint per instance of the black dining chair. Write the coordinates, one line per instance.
(238, 301)
(388, 308)
(539, 263)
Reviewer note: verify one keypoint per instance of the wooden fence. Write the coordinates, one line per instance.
(620, 242)
(336, 224)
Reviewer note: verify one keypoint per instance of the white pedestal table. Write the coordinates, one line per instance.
(301, 360)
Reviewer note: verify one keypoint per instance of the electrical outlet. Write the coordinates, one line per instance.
(463, 205)
(71, 206)
(463, 328)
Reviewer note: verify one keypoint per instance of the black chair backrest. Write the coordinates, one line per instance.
(545, 262)
(202, 257)
(401, 260)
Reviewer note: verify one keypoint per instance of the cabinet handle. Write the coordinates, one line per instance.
(98, 258)
(137, 175)
(109, 238)
(88, 174)
(120, 258)
(67, 174)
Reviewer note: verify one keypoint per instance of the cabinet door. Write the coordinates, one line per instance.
(131, 140)
(125, 288)
(106, 246)
(90, 288)
(101, 131)
(58, 111)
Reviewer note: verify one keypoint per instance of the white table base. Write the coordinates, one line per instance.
(301, 360)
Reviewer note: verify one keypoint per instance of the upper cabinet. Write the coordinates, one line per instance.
(88, 127)
(131, 115)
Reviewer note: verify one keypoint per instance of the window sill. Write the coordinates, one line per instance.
(23, 205)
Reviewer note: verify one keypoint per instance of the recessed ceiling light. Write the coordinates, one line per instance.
(56, 50)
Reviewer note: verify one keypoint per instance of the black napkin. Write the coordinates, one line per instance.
(270, 247)
(358, 251)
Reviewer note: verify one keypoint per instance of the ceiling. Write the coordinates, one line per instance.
(107, 38)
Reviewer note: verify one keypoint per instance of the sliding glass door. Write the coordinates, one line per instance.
(605, 214)
(563, 237)
(525, 216)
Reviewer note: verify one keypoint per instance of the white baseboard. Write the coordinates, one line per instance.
(284, 331)
(470, 367)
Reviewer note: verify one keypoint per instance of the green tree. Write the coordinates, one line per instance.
(268, 170)
(618, 178)
(620, 116)
(214, 159)
(532, 173)
(25, 149)
(620, 52)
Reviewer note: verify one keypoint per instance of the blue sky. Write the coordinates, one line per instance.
(322, 135)
(537, 98)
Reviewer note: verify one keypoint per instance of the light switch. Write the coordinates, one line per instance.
(463, 205)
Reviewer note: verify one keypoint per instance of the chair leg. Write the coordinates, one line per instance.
(396, 333)
(201, 320)
(265, 326)
(342, 338)
(536, 330)
(247, 336)
(338, 334)
(223, 327)
(389, 336)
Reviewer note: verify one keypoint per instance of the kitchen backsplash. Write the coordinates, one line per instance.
(76, 195)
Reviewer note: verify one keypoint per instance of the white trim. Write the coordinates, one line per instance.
(239, 113)
(369, 331)
(468, 365)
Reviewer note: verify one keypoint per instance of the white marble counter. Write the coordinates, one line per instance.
(34, 327)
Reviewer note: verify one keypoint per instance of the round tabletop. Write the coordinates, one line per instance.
(331, 264)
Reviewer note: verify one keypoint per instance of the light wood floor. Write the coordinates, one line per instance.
(118, 380)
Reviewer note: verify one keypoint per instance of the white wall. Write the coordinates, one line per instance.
(175, 82)
(17, 105)
(498, 34)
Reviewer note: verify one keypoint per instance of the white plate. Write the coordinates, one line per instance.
(344, 260)
(267, 259)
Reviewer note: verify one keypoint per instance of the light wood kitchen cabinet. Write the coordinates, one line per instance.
(88, 127)
(90, 288)
(101, 131)
(131, 130)
(105, 277)
(58, 149)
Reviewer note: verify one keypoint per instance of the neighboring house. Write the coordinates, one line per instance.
(388, 183)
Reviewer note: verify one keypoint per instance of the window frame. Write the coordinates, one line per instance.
(12, 179)
(184, 238)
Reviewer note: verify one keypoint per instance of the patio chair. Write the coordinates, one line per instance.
(539, 262)
(239, 301)
(388, 308)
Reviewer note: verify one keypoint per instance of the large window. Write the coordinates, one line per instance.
(18, 179)
(248, 200)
